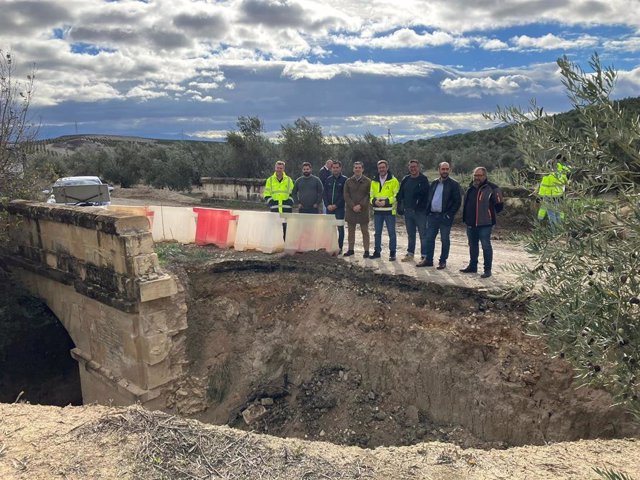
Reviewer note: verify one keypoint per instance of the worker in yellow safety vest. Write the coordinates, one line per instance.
(551, 191)
(277, 192)
(382, 195)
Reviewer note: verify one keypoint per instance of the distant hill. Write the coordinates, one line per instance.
(464, 149)
(493, 147)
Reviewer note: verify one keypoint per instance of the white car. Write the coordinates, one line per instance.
(80, 191)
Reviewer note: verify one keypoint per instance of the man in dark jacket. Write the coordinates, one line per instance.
(443, 204)
(412, 203)
(334, 197)
(482, 202)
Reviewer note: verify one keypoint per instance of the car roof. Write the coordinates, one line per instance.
(80, 180)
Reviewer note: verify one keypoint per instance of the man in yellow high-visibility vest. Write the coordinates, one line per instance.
(277, 192)
(551, 192)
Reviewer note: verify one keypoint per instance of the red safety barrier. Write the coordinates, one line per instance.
(215, 227)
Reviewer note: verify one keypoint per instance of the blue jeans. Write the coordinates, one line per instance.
(438, 222)
(379, 219)
(416, 220)
(483, 236)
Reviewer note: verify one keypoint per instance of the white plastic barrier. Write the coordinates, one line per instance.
(307, 232)
(174, 223)
(260, 231)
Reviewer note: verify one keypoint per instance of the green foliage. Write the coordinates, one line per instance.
(367, 149)
(172, 252)
(303, 142)
(251, 153)
(609, 474)
(586, 276)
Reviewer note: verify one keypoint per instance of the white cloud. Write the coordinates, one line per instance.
(477, 87)
(553, 42)
(492, 44)
(204, 85)
(145, 93)
(206, 99)
(209, 134)
(319, 71)
(629, 44)
(403, 38)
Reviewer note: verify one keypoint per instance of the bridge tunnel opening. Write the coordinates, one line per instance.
(35, 361)
(313, 347)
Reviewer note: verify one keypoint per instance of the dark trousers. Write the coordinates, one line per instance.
(308, 210)
(438, 222)
(339, 214)
(480, 235)
(416, 220)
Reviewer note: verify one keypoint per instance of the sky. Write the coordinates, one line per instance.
(187, 69)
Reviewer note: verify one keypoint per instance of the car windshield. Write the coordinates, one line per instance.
(65, 182)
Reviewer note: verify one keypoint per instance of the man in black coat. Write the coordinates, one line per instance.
(443, 203)
(482, 202)
(334, 197)
(412, 203)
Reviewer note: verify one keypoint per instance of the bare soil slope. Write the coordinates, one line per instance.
(104, 443)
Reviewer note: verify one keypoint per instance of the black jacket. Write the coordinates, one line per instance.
(451, 197)
(416, 200)
(481, 205)
(334, 191)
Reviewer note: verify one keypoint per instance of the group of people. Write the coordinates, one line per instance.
(429, 208)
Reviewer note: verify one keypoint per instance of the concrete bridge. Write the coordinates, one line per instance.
(98, 273)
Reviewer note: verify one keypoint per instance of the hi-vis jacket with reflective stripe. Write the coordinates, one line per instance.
(551, 189)
(386, 192)
(278, 193)
(553, 185)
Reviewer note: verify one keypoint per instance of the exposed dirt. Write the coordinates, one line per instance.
(92, 442)
(143, 195)
(321, 349)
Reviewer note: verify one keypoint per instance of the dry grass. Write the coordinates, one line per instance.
(175, 448)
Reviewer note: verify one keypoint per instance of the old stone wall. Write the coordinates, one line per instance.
(99, 274)
(250, 189)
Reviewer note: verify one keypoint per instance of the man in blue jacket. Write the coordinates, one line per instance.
(482, 202)
(334, 197)
(442, 205)
(412, 203)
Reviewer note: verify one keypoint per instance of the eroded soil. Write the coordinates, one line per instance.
(313, 347)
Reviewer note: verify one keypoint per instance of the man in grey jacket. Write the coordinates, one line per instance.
(307, 191)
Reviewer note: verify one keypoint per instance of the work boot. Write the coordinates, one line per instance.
(366, 254)
(486, 274)
(407, 258)
(469, 269)
(375, 255)
(392, 258)
(348, 253)
(441, 265)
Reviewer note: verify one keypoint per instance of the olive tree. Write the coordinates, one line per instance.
(251, 153)
(585, 281)
(303, 142)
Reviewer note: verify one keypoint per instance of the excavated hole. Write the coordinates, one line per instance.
(313, 347)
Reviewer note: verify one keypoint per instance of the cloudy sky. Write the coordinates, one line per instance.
(189, 68)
